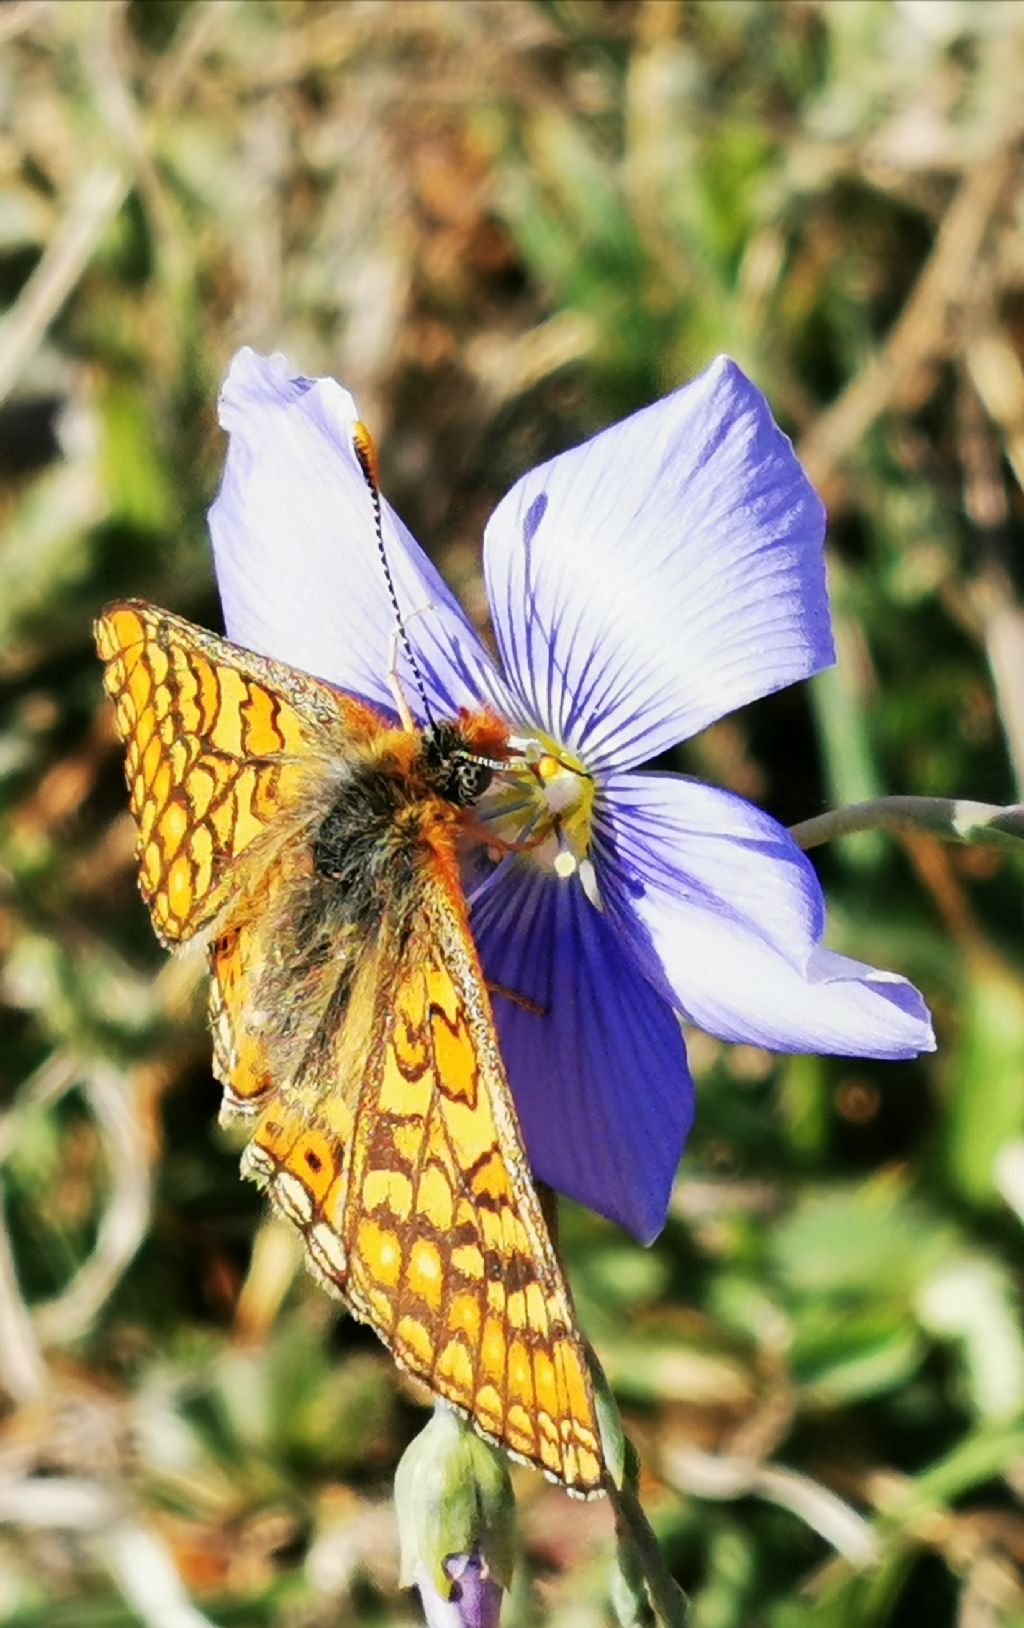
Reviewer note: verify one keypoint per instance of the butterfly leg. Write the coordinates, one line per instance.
(479, 831)
(513, 995)
(406, 718)
(402, 707)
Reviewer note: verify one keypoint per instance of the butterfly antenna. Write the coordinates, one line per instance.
(366, 452)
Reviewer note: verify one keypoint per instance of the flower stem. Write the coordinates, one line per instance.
(644, 1592)
(953, 819)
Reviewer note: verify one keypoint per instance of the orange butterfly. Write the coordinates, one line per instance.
(313, 847)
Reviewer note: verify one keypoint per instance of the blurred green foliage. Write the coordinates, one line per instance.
(504, 224)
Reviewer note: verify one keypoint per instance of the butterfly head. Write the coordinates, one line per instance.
(455, 761)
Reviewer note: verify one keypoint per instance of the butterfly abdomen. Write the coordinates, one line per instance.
(375, 829)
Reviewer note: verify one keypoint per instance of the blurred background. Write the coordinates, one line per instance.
(504, 224)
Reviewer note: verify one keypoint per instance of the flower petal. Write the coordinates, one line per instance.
(660, 575)
(599, 1077)
(296, 556)
(724, 914)
(476, 1596)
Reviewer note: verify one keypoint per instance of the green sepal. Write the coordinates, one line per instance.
(453, 1496)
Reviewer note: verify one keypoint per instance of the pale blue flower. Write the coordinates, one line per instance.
(641, 586)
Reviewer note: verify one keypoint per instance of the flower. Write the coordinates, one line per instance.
(641, 586)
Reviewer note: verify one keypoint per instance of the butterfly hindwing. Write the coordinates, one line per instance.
(240, 1059)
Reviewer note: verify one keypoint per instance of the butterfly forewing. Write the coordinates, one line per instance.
(219, 743)
(442, 1202)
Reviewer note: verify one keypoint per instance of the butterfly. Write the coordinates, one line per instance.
(312, 846)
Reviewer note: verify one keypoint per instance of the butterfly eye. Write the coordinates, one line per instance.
(471, 780)
(455, 773)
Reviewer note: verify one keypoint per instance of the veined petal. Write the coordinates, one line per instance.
(661, 574)
(599, 1076)
(724, 914)
(296, 557)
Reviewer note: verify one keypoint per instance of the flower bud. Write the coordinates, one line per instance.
(456, 1522)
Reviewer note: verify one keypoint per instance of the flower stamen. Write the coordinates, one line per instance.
(540, 806)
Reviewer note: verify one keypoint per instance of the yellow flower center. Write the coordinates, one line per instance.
(541, 807)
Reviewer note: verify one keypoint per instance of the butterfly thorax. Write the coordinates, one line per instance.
(392, 803)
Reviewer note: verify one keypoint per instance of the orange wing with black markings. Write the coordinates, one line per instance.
(218, 744)
(416, 1203)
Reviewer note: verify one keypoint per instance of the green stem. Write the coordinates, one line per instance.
(954, 819)
(642, 1568)
(635, 1530)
